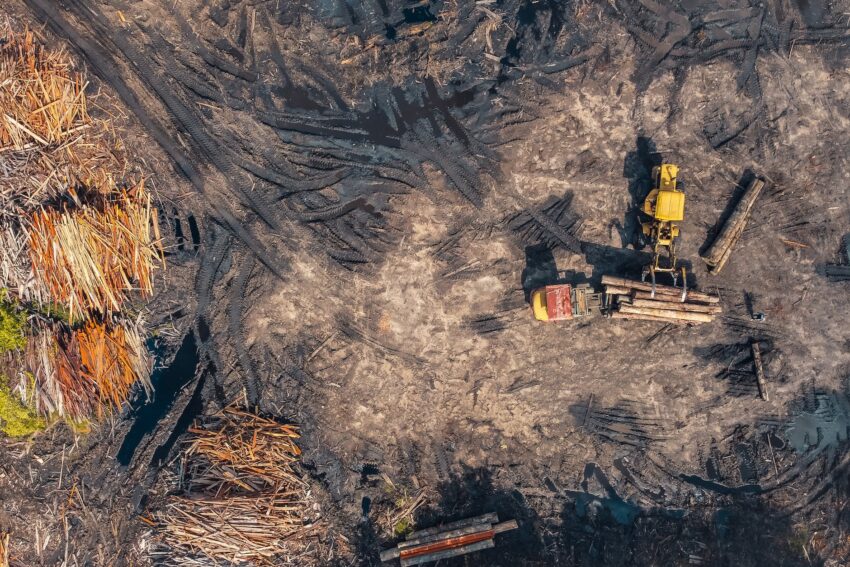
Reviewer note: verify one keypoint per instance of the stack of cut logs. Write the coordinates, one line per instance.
(629, 299)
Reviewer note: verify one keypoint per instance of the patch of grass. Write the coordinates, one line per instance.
(16, 420)
(403, 527)
(12, 324)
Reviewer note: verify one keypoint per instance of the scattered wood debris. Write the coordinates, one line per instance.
(243, 498)
(721, 249)
(629, 299)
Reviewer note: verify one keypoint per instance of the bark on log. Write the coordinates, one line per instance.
(676, 306)
(617, 290)
(721, 249)
(669, 314)
(759, 371)
(635, 316)
(665, 296)
(659, 289)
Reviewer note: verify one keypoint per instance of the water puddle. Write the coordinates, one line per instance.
(167, 383)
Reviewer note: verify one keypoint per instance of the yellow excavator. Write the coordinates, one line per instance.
(665, 206)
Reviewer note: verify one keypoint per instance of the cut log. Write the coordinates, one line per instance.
(759, 370)
(637, 294)
(676, 306)
(721, 249)
(659, 289)
(635, 316)
(669, 314)
(617, 290)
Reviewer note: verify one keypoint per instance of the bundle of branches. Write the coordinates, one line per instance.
(78, 373)
(244, 499)
(91, 257)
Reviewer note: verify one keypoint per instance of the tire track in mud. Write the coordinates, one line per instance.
(236, 330)
(109, 72)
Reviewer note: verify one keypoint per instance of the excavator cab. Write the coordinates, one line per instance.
(665, 206)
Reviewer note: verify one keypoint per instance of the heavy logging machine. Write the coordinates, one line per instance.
(664, 207)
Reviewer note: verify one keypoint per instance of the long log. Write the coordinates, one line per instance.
(669, 314)
(617, 290)
(635, 316)
(659, 289)
(759, 370)
(665, 296)
(721, 249)
(676, 306)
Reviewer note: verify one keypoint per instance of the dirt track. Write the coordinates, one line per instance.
(377, 186)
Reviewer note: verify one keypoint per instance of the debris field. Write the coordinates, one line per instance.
(356, 200)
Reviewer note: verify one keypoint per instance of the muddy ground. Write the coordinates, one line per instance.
(362, 194)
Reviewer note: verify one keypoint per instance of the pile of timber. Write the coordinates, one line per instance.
(449, 540)
(629, 299)
(720, 250)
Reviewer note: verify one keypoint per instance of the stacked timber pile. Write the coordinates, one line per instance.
(721, 249)
(449, 540)
(629, 299)
(78, 240)
(242, 497)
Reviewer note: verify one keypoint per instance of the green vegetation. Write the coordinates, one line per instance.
(16, 420)
(403, 527)
(12, 324)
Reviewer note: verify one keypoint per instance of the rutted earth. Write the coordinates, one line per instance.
(364, 182)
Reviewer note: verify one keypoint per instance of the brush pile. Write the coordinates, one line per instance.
(630, 299)
(242, 498)
(90, 258)
(78, 239)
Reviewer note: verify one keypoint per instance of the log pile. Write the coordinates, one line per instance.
(721, 249)
(629, 299)
(243, 499)
(449, 540)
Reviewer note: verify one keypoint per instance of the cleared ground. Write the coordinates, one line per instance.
(375, 186)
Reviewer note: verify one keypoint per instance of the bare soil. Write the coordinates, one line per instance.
(368, 181)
